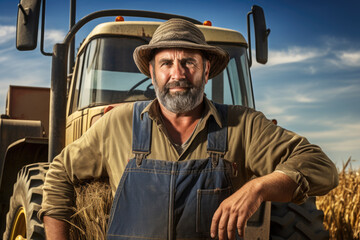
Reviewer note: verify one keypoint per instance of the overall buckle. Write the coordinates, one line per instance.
(139, 158)
(215, 157)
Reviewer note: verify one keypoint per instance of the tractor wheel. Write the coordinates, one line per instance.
(21, 220)
(291, 221)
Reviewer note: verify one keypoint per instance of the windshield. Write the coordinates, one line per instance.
(107, 74)
(233, 85)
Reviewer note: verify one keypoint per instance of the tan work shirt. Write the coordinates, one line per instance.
(255, 145)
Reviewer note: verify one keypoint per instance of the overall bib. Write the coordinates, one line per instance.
(159, 199)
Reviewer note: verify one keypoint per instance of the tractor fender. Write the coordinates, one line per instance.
(20, 153)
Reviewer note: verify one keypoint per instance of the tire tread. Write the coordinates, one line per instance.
(27, 193)
(291, 221)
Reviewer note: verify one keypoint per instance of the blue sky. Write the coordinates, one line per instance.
(311, 83)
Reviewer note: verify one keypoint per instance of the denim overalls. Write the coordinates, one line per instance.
(159, 199)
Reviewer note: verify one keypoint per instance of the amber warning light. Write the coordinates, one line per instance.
(207, 23)
(119, 19)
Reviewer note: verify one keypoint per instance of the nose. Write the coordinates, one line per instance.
(177, 71)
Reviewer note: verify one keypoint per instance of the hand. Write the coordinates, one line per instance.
(234, 211)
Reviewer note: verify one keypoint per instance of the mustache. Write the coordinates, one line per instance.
(179, 83)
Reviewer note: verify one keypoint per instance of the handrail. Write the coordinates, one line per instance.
(121, 12)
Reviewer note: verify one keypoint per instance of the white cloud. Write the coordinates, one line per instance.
(336, 129)
(311, 93)
(303, 98)
(327, 57)
(289, 118)
(306, 93)
(287, 103)
(351, 59)
(54, 36)
(3, 59)
(349, 56)
(291, 55)
(5, 53)
(311, 70)
(7, 33)
(292, 94)
(34, 69)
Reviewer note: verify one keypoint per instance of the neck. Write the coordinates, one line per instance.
(180, 126)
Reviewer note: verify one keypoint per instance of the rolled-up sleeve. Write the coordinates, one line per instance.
(272, 148)
(79, 161)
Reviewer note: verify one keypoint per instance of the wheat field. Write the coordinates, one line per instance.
(341, 208)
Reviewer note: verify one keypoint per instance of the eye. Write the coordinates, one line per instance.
(165, 63)
(189, 63)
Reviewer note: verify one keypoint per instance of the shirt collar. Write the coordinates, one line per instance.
(154, 111)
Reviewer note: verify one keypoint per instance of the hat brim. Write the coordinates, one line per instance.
(218, 57)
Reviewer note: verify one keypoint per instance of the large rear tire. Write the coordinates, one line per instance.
(291, 221)
(21, 220)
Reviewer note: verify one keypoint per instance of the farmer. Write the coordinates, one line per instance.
(180, 166)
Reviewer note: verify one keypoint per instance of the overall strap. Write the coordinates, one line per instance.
(142, 127)
(217, 137)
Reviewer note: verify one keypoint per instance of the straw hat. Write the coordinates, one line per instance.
(179, 33)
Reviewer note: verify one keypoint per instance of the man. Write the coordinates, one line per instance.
(181, 165)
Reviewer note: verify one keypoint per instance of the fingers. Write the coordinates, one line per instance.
(233, 213)
(222, 230)
(215, 223)
(226, 222)
(241, 222)
(235, 224)
(219, 224)
(224, 225)
(231, 226)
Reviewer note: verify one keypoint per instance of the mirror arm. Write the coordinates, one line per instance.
(25, 12)
(43, 31)
(267, 32)
(249, 38)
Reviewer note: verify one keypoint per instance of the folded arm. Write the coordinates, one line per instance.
(233, 212)
(287, 168)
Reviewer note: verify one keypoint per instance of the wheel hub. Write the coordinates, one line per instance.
(18, 230)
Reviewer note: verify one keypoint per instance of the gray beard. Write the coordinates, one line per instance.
(180, 102)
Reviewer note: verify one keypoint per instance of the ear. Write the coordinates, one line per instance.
(151, 70)
(207, 71)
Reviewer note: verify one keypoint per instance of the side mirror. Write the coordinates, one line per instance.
(27, 24)
(261, 34)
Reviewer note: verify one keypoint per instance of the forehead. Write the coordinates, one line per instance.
(177, 52)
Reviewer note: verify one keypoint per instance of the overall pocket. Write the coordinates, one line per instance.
(208, 200)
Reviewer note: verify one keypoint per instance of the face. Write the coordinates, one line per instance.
(179, 77)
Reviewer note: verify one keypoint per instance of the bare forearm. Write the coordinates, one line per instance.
(276, 187)
(56, 229)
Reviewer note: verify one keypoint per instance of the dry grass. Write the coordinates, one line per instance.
(92, 211)
(341, 206)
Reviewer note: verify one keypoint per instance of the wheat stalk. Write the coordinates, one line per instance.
(341, 206)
